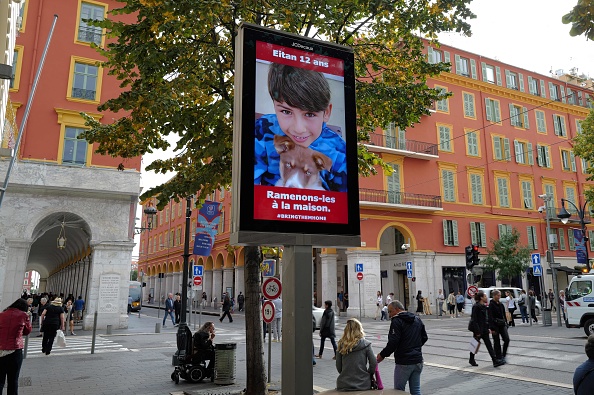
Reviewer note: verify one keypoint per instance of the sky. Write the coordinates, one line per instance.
(525, 33)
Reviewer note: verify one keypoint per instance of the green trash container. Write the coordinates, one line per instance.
(546, 317)
(224, 369)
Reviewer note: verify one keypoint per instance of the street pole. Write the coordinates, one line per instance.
(564, 216)
(182, 339)
(551, 256)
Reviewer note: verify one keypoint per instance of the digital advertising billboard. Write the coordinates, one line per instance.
(295, 145)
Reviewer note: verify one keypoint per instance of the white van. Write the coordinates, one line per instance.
(579, 303)
(515, 293)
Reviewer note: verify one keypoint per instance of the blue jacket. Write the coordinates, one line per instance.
(405, 339)
(266, 159)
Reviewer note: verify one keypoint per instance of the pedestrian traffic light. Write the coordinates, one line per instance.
(475, 255)
(468, 254)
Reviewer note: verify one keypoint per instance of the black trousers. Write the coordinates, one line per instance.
(49, 334)
(228, 314)
(500, 334)
(487, 340)
(10, 367)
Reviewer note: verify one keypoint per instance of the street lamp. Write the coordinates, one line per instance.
(183, 330)
(564, 216)
(550, 256)
(150, 212)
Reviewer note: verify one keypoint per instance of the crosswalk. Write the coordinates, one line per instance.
(75, 345)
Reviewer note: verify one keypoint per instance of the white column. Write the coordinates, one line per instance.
(207, 286)
(328, 285)
(12, 270)
(228, 280)
(239, 280)
(217, 286)
(368, 286)
(177, 282)
(168, 284)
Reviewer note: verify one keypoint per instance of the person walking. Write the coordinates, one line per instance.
(440, 300)
(52, 320)
(204, 299)
(406, 338)
(177, 309)
(69, 314)
(79, 306)
(523, 307)
(460, 302)
(129, 310)
(511, 307)
(498, 326)
(452, 304)
(562, 303)
(327, 329)
(226, 308)
(583, 377)
(379, 304)
(355, 360)
(420, 300)
(15, 323)
(551, 297)
(532, 300)
(479, 326)
(240, 300)
(169, 309)
(42, 306)
(277, 328)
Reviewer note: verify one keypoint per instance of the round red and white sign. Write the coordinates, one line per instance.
(198, 280)
(272, 288)
(359, 276)
(472, 290)
(268, 311)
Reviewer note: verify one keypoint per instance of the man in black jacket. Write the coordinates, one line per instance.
(498, 325)
(406, 338)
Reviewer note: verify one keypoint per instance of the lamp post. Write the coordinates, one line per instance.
(183, 326)
(150, 212)
(564, 215)
(551, 257)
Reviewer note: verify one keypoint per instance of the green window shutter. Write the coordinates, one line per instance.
(562, 94)
(488, 109)
(473, 68)
(506, 151)
(572, 160)
(571, 239)
(591, 232)
(512, 115)
(509, 228)
(526, 121)
(530, 154)
(501, 228)
(561, 238)
(478, 190)
(469, 105)
(539, 155)
(570, 96)
(530, 84)
(540, 122)
(517, 152)
(556, 125)
(521, 80)
(530, 238)
(507, 79)
(503, 192)
(498, 75)
(543, 90)
(448, 185)
(484, 71)
(401, 139)
(444, 136)
(446, 58)
(455, 229)
(472, 144)
(483, 235)
(552, 91)
(445, 232)
(497, 113)
(580, 102)
(547, 151)
(578, 126)
(535, 242)
(473, 235)
(430, 55)
(458, 66)
(563, 130)
(497, 147)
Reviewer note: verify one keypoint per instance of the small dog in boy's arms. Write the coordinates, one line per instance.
(299, 167)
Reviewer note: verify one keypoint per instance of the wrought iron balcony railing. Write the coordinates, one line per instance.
(390, 197)
(382, 140)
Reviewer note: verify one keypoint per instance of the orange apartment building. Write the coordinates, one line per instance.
(467, 173)
(60, 188)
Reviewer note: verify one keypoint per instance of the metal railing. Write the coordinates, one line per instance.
(553, 211)
(86, 94)
(391, 197)
(90, 34)
(382, 140)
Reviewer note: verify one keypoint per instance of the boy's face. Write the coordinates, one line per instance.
(302, 126)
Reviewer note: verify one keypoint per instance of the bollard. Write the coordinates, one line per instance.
(26, 346)
(94, 333)
(158, 327)
(109, 329)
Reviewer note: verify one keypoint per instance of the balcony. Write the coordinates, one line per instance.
(402, 200)
(574, 219)
(410, 148)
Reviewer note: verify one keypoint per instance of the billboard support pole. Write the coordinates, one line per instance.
(297, 374)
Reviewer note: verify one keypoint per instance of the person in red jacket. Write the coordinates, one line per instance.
(15, 323)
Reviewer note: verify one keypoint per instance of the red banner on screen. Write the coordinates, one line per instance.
(298, 58)
(301, 205)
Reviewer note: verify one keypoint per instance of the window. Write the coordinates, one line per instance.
(523, 152)
(445, 138)
(501, 148)
(442, 105)
(570, 195)
(591, 233)
(533, 86)
(167, 212)
(469, 105)
(560, 234)
(448, 185)
(559, 123)
(463, 66)
(567, 160)
(532, 238)
(17, 62)
(450, 232)
(25, 282)
(160, 242)
(541, 125)
(518, 116)
(393, 185)
(22, 18)
(180, 209)
(549, 189)
(491, 73)
(571, 239)
(26, 274)
(585, 166)
(150, 244)
(395, 137)
(527, 195)
(221, 227)
(578, 126)
(436, 56)
(504, 229)
(503, 191)
(544, 156)
(85, 32)
(172, 238)
(178, 236)
(511, 80)
(478, 234)
(570, 96)
(222, 193)
(85, 82)
(75, 149)
(476, 188)
(553, 90)
(492, 109)
(472, 145)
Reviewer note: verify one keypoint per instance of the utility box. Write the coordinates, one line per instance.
(224, 369)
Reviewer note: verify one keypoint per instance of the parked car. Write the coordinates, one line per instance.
(515, 292)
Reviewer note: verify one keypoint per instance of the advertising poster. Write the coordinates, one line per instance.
(580, 246)
(300, 171)
(206, 228)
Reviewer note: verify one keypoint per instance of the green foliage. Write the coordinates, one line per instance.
(581, 18)
(134, 275)
(176, 64)
(584, 148)
(507, 257)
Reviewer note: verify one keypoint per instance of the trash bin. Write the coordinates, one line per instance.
(224, 369)
(546, 317)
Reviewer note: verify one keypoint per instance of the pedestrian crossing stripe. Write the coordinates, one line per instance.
(75, 345)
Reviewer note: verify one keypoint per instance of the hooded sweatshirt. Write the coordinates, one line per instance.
(356, 367)
(405, 339)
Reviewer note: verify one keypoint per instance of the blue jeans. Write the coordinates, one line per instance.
(323, 340)
(410, 374)
(168, 313)
(524, 313)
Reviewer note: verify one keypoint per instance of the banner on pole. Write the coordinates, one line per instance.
(206, 228)
(580, 246)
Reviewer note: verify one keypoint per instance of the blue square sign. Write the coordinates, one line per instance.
(535, 259)
(358, 268)
(198, 270)
(409, 265)
(408, 273)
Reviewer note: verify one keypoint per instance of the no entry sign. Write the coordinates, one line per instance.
(359, 276)
(198, 280)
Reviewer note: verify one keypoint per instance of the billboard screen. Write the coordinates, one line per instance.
(295, 154)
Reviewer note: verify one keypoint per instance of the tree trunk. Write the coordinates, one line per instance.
(256, 377)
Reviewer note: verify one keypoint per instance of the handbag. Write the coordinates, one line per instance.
(373, 382)
(474, 346)
(472, 326)
(60, 338)
(378, 378)
(508, 316)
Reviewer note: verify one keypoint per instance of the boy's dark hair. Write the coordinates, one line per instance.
(20, 304)
(304, 89)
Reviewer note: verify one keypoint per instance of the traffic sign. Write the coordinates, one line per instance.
(358, 267)
(409, 273)
(198, 280)
(268, 311)
(198, 270)
(359, 276)
(535, 259)
(272, 288)
(472, 290)
(537, 270)
(409, 265)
